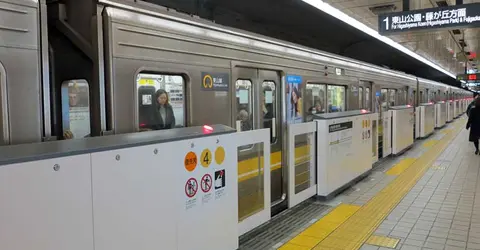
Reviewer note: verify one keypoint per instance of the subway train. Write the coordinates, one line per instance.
(115, 55)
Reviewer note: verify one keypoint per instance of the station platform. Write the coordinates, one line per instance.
(424, 199)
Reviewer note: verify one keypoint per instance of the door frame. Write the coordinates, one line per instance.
(282, 203)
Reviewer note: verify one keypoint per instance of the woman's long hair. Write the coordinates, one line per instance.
(158, 94)
(295, 103)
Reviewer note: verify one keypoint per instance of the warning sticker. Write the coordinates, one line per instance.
(190, 161)
(219, 179)
(206, 183)
(191, 187)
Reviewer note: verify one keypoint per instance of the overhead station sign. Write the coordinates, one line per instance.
(461, 16)
(469, 80)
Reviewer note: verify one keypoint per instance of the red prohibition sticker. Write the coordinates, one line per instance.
(206, 183)
(191, 187)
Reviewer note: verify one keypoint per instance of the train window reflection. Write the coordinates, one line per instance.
(336, 98)
(314, 100)
(244, 104)
(368, 103)
(384, 99)
(392, 93)
(161, 102)
(269, 110)
(360, 97)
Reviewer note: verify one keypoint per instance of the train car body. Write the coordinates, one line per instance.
(213, 75)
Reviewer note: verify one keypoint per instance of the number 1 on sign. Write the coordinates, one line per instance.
(386, 23)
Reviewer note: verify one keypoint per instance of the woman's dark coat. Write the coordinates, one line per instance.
(474, 124)
(157, 123)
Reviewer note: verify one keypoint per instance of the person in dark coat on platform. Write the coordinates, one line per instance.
(474, 124)
(472, 104)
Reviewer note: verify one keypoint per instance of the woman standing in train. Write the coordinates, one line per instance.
(474, 124)
(163, 116)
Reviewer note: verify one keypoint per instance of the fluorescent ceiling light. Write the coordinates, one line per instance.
(325, 7)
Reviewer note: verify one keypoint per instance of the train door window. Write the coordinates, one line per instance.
(244, 104)
(161, 102)
(269, 110)
(336, 98)
(391, 100)
(421, 96)
(384, 93)
(360, 98)
(368, 103)
(314, 100)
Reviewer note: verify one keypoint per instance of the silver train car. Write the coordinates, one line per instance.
(119, 53)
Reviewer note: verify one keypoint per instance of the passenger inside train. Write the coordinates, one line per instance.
(162, 116)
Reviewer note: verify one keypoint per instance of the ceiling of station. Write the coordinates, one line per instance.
(442, 47)
(296, 21)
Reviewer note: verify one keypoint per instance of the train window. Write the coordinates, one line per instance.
(336, 98)
(269, 109)
(161, 102)
(360, 97)
(368, 103)
(384, 93)
(392, 93)
(244, 104)
(314, 100)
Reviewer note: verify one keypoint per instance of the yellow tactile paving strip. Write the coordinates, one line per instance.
(358, 225)
(322, 228)
(401, 166)
(382, 241)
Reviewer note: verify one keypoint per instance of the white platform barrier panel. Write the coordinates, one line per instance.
(427, 119)
(301, 163)
(402, 128)
(262, 214)
(344, 149)
(149, 190)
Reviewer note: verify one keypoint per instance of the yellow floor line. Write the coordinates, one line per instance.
(348, 227)
(322, 228)
(401, 166)
(353, 233)
(430, 143)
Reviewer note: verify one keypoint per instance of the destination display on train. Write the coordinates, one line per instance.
(461, 16)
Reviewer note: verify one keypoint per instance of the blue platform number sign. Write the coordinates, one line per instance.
(294, 99)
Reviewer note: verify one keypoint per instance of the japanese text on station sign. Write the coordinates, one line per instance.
(451, 16)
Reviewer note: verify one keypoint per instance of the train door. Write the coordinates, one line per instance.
(364, 95)
(258, 105)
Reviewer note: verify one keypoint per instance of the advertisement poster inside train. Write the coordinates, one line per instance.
(294, 99)
(75, 109)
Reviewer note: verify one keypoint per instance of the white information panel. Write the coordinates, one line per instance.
(441, 114)
(178, 195)
(344, 151)
(306, 164)
(387, 133)
(247, 138)
(46, 205)
(402, 129)
(427, 119)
